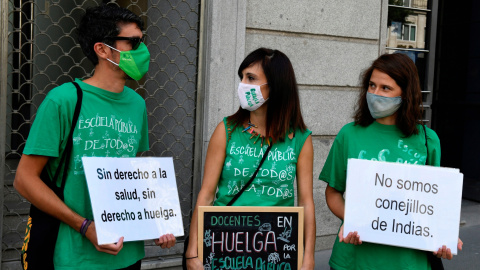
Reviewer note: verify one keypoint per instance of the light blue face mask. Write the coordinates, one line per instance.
(381, 106)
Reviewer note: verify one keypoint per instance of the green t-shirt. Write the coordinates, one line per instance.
(109, 125)
(381, 143)
(273, 185)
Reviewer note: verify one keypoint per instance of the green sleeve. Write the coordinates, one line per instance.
(301, 137)
(46, 134)
(434, 150)
(334, 171)
(143, 145)
(229, 129)
(225, 122)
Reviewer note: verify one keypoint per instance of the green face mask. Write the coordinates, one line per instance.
(135, 62)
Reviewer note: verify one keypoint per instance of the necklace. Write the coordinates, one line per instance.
(255, 134)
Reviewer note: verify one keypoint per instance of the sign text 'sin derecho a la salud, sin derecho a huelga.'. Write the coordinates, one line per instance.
(125, 194)
(139, 192)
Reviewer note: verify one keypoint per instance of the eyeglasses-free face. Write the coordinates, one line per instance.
(134, 41)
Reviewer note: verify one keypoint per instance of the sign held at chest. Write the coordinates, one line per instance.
(403, 205)
(128, 193)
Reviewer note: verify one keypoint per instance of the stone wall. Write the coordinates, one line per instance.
(329, 43)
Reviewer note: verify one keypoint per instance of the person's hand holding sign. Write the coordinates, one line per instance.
(166, 241)
(354, 238)
(112, 249)
(446, 253)
(351, 238)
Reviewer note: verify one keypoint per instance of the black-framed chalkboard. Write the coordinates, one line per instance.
(236, 237)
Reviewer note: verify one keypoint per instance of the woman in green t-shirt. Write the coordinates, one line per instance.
(387, 122)
(269, 115)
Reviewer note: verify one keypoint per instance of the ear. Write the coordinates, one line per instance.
(102, 50)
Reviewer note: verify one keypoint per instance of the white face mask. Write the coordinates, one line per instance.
(250, 96)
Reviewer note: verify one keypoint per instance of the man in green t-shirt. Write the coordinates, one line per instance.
(112, 123)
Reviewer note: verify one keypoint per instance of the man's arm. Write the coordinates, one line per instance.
(29, 185)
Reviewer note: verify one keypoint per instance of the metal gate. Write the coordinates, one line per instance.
(39, 52)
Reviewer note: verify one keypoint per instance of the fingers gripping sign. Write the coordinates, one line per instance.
(446, 253)
(112, 249)
(165, 241)
(351, 238)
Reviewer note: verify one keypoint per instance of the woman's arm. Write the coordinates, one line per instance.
(336, 203)
(305, 199)
(213, 168)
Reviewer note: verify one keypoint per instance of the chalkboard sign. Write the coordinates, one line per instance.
(236, 237)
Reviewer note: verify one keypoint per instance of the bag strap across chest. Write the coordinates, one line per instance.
(66, 155)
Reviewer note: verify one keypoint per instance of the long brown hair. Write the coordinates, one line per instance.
(283, 112)
(401, 69)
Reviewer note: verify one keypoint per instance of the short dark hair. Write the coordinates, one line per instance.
(401, 69)
(100, 22)
(283, 113)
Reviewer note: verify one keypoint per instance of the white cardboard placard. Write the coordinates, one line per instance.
(136, 198)
(403, 205)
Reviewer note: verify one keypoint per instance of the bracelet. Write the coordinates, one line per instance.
(191, 257)
(84, 227)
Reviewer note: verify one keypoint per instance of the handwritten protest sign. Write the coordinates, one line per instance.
(233, 237)
(133, 197)
(403, 205)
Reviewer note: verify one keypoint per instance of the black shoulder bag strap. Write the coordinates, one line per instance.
(252, 178)
(435, 262)
(42, 229)
(65, 159)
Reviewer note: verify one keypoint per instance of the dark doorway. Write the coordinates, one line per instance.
(456, 104)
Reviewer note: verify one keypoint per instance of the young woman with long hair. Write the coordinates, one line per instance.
(387, 119)
(269, 115)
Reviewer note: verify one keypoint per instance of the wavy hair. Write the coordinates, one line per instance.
(283, 112)
(100, 22)
(401, 69)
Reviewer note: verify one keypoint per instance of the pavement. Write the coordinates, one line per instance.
(467, 259)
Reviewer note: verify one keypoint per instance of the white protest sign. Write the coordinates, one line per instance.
(136, 198)
(403, 205)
